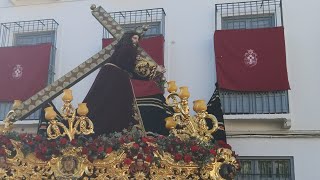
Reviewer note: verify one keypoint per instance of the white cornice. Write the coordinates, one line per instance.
(28, 2)
(275, 134)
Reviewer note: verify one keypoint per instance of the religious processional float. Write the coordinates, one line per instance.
(69, 152)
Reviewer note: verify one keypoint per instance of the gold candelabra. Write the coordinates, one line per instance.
(76, 120)
(182, 124)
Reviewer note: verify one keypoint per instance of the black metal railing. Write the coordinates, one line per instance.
(154, 18)
(250, 11)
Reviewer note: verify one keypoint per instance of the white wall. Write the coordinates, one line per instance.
(302, 39)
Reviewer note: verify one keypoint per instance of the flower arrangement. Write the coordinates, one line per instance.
(133, 143)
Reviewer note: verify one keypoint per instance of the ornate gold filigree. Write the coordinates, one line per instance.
(71, 164)
(76, 124)
(223, 167)
(181, 124)
(145, 68)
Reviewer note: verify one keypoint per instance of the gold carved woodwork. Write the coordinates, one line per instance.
(72, 165)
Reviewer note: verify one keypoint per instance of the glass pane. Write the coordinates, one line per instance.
(234, 102)
(282, 169)
(5, 107)
(154, 28)
(265, 169)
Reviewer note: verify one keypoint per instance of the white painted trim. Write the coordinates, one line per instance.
(257, 116)
(282, 118)
(27, 122)
(28, 2)
(274, 134)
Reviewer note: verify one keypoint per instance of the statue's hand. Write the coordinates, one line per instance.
(161, 69)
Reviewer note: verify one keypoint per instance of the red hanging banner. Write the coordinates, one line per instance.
(154, 46)
(251, 59)
(23, 71)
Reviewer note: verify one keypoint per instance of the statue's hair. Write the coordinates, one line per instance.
(126, 39)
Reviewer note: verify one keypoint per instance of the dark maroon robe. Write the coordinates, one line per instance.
(110, 99)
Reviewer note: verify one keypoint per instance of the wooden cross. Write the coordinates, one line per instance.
(77, 74)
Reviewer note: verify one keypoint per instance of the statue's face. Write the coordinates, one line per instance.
(135, 39)
(68, 164)
(139, 162)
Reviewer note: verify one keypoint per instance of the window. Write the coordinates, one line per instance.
(33, 38)
(251, 15)
(153, 28)
(266, 168)
(129, 20)
(29, 33)
(248, 21)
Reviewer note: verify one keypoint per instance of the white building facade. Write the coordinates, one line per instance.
(272, 145)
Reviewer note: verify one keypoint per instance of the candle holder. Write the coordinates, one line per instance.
(77, 121)
(182, 124)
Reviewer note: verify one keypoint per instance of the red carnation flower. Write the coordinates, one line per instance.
(5, 141)
(151, 139)
(187, 158)
(127, 161)
(93, 147)
(52, 144)
(146, 149)
(136, 146)
(121, 140)
(213, 151)
(109, 150)
(85, 151)
(44, 149)
(140, 156)
(73, 142)
(130, 138)
(38, 138)
(30, 143)
(2, 152)
(149, 158)
(100, 149)
(195, 148)
(22, 136)
(144, 139)
(177, 157)
(63, 141)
